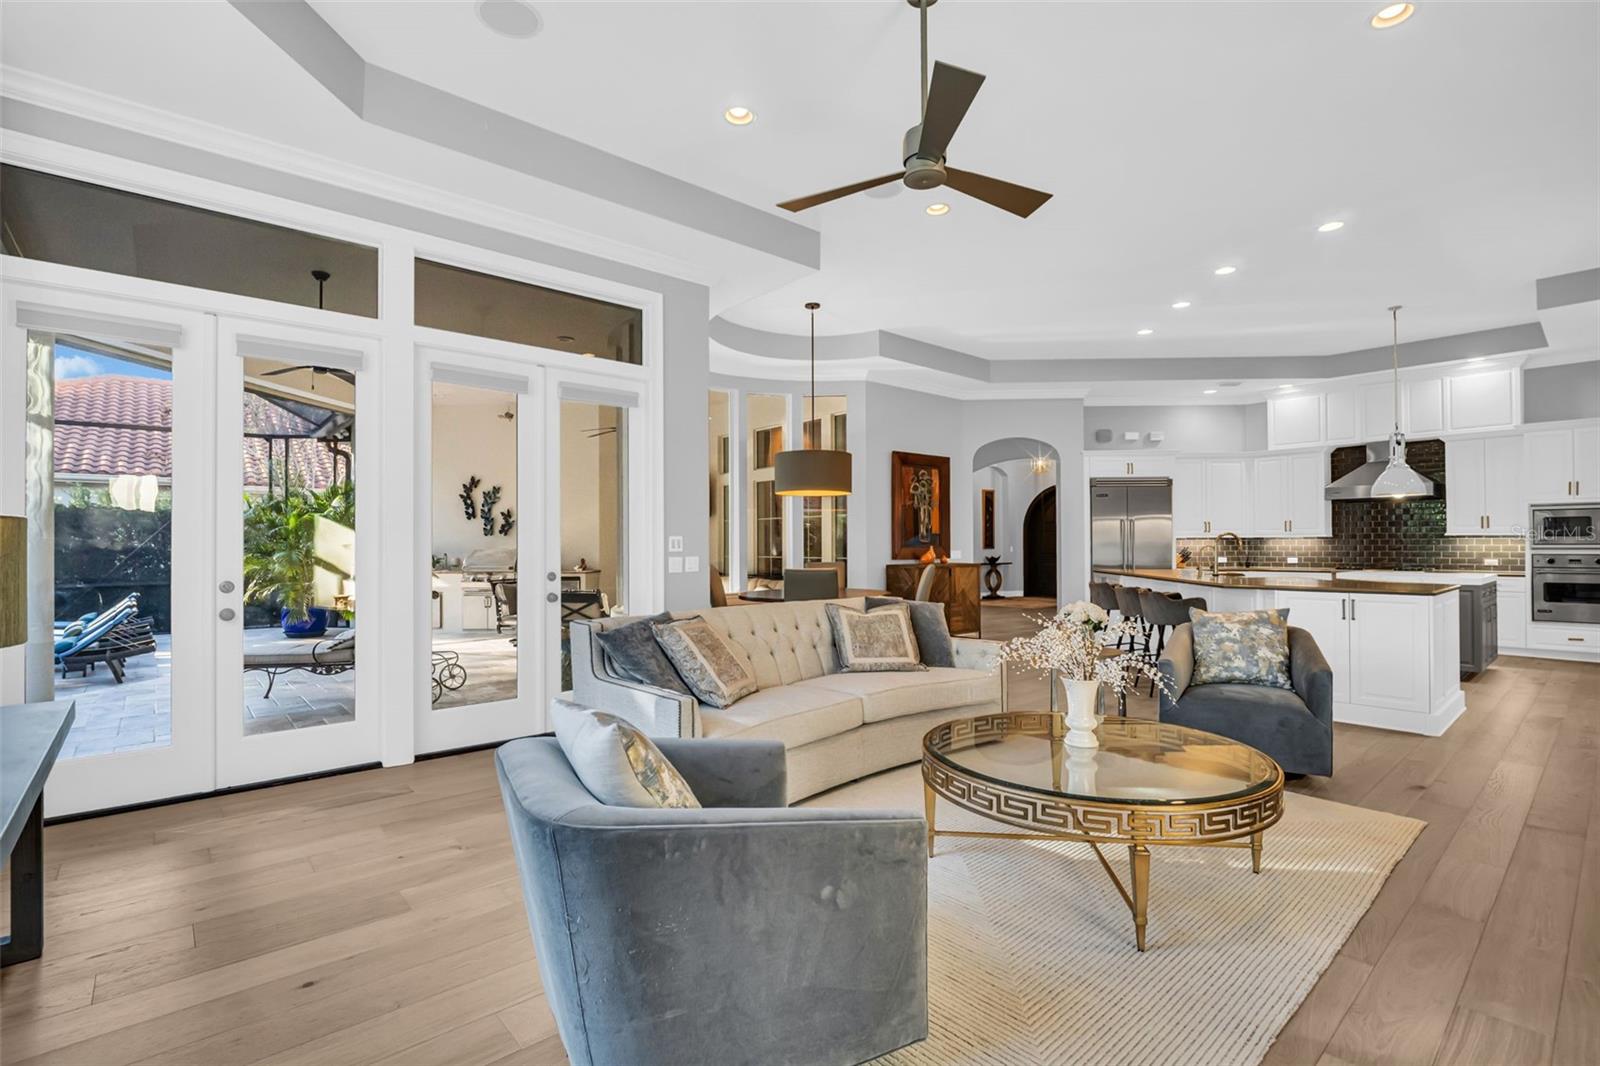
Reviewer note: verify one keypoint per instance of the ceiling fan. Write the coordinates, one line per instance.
(944, 104)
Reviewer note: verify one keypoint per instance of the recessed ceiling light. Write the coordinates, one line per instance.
(1329, 227)
(1392, 15)
(510, 18)
(1223, 272)
(1180, 305)
(1208, 392)
(1146, 332)
(1285, 386)
(739, 116)
(1477, 359)
(937, 209)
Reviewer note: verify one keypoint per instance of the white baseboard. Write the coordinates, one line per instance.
(1552, 653)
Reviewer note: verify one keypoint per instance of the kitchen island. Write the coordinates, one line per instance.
(1394, 646)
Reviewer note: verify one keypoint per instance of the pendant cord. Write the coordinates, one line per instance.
(813, 373)
(1394, 313)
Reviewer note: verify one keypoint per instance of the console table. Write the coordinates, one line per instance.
(955, 586)
(31, 735)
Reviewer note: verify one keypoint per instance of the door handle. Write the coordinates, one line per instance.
(226, 614)
(551, 597)
(551, 575)
(226, 586)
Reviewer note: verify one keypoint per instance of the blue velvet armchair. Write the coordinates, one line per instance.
(1295, 726)
(743, 932)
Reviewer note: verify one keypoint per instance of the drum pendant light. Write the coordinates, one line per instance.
(812, 471)
(1398, 480)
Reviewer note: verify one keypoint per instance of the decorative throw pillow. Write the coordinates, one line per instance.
(716, 669)
(620, 766)
(633, 650)
(1242, 648)
(876, 640)
(928, 623)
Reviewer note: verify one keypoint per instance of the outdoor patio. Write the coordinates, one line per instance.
(137, 713)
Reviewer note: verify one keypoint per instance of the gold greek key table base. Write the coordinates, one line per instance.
(1238, 820)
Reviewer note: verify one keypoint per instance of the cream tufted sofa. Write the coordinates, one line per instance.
(835, 727)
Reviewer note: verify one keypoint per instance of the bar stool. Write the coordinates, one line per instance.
(1164, 612)
(1103, 594)
(1129, 602)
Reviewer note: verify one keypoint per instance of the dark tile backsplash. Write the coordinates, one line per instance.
(1385, 534)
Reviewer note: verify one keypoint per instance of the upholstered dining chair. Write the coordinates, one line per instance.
(1130, 606)
(1103, 594)
(925, 581)
(744, 931)
(810, 584)
(719, 593)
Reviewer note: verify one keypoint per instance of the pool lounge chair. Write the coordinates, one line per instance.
(325, 657)
(112, 637)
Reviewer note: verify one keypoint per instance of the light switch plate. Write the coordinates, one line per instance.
(1292, 559)
(674, 544)
(691, 563)
(674, 564)
(956, 554)
(1491, 562)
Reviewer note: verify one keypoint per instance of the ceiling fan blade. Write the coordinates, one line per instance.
(950, 93)
(346, 376)
(284, 370)
(1018, 199)
(844, 190)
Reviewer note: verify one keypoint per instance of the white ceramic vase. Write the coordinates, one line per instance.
(1082, 698)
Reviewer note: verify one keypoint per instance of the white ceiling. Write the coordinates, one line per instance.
(1461, 149)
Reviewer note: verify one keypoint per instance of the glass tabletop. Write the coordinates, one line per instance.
(1137, 762)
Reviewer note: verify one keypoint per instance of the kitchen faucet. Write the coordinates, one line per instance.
(1216, 549)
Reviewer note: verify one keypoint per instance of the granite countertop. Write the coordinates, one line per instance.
(1287, 583)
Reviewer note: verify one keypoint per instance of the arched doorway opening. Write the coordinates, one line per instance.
(1009, 475)
(1039, 546)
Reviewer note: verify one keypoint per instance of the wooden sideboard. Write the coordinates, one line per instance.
(955, 586)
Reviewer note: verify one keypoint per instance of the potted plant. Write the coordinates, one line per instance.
(280, 560)
(1078, 645)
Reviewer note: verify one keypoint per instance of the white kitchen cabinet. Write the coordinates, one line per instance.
(1511, 607)
(1561, 464)
(1287, 498)
(1295, 420)
(1132, 465)
(1341, 414)
(1227, 495)
(1424, 406)
(1325, 616)
(1586, 462)
(1310, 513)
(1270, 505)
(1189, 498)
(1484, 493)
(1390, 651)
(1483, 401)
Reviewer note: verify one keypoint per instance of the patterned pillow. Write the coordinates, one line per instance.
(1242, 648)
(620, 766)
(934, 642)
(875, 640)
(716, 670)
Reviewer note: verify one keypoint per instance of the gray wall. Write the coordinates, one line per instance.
(1555, 393)
(1190, 428)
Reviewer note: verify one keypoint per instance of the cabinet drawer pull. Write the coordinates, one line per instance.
(1341, 610)
(1576, 640)
(1352, 608)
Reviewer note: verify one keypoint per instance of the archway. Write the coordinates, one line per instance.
(1039, 546)
(1009, 474)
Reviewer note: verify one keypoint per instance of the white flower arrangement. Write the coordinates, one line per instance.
(1070, 645)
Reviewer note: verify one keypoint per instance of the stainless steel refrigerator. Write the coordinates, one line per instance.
(1130, 523)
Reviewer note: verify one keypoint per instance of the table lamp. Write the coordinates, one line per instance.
(13, 580)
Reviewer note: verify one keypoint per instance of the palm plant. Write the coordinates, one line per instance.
(280, 559)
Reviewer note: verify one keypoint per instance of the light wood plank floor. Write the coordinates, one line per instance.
(376, 917)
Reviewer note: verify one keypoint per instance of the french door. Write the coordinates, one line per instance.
(298, 471)
(525, 470)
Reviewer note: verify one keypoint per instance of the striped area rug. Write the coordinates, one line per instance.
(1031, 954)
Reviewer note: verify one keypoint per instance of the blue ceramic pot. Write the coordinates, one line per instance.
(315, 623)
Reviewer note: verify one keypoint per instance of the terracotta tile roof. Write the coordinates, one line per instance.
(122, 446)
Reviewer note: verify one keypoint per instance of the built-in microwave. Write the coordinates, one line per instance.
(1565, 526)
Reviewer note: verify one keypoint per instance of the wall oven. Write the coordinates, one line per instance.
(1565, 526)
(1566, 586)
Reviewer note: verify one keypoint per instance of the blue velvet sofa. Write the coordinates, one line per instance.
(743, 932)
(1295, 726)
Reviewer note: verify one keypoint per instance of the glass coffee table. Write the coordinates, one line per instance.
(1148, 784)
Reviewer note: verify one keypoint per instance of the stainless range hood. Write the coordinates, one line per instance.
(1357, 484)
